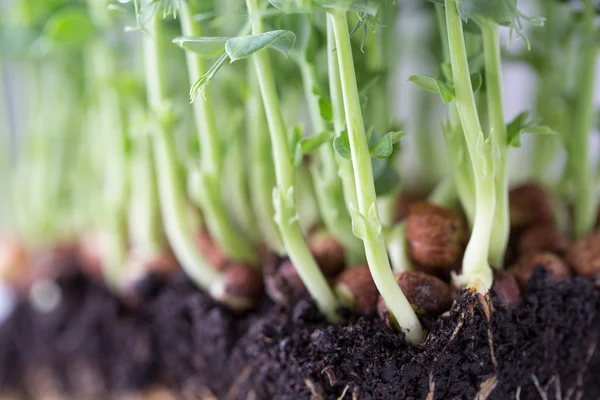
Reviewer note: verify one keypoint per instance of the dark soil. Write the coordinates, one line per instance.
(92, 346)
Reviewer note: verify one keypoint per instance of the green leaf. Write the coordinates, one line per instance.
(209, 47)
(244, 46)
(325, 109)
(433, 85)
(341, 144)
(520, 125)
(384, 147)
(70, 27)
(425, 82)
(309, 145)
(476, 81)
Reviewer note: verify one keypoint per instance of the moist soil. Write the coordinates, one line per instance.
(93, 346)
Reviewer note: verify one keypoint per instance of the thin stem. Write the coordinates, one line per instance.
(107, 108)
(493, 74)
(546, 148)
(476, 269)
(284, 197)
(374, 243)
(398, 249)
(177, 225)
(261, 168)
(579, 157)
(329, 192)
(345, 170)
(210, 176)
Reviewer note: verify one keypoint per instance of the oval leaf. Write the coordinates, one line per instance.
(341, 144)
(244, 46)
(209, 47)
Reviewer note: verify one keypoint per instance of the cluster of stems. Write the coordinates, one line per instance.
(218, 184)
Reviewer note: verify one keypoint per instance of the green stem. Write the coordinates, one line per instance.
(398, 249)
(261, 168)
(374, 243)
(284, 197)
(145, 232)
(329, 191)
(579, 157)
(111, 129)
(345, 169)
(236, 165)
(455, 139)
(476, 269)
(172, 200)
(551, 80)
(493, 74)
(210, 175)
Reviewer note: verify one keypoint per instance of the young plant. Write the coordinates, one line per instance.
(227, 286)
(329, 191)
(209, 176)
(284, 195)
(365, 215)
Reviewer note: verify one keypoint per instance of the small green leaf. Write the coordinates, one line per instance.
(71, 27)
(384, 147)
(325, 109)
(425, 82)
(209, 47)
(341, 144)
(433, 85)
(309, 145)
(520, 125)
(244, 46)
(476, 81)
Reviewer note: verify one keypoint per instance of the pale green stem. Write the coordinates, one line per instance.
(378, 103)
(345, 169)
(261, 168)
(455, 140)
(545, 149)
(210, 175)
(476, 271)
(236, 165)
(145, 232)
(111, 127)
(284, 196)
(585, 199)
(329, 191)
(177, 225)
(374, 243)
(493, 74)
(397, 247)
